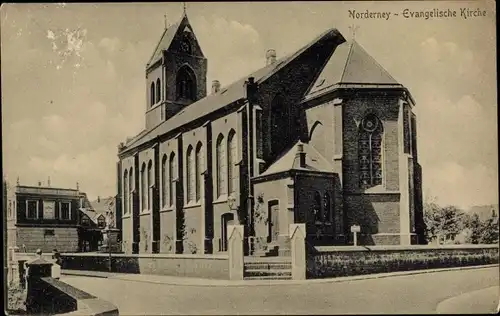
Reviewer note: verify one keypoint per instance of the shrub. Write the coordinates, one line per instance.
(17, 298)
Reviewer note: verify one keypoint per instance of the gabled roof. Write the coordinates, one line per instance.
(350, 63)
(91, 214)
(234, 92)
(290, 161)
(102, 205)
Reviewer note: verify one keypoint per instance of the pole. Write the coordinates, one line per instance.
(355, 238)
(109, 251)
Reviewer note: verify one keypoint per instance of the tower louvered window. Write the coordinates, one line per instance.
(370, 151)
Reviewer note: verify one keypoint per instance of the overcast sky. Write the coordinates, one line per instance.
(73, 82)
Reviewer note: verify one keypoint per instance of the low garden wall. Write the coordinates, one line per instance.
(324, 262)
(185, 265)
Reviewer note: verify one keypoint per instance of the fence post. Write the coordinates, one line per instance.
(298, 245)
(235, 251)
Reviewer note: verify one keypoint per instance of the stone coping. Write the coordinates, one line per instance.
(400, 248)
(75, 293)
(147, 255)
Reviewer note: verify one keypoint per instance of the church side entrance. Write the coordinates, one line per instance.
(226, 219)
(273, 213)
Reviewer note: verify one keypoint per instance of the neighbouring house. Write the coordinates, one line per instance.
(323, 136)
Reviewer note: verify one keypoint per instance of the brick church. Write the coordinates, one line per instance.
(324, 136)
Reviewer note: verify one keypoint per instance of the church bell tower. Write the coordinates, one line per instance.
(176, 73)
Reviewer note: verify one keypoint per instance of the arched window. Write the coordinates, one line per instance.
(101, 221)
(185, 45)
(164, 181)
(190, 174)
(186, 84)
(144, 184)
(171, 174)
(317, 207)
(327, 208)
(231, 160)
(370, 151)
(125, 191)
(158, 90)
(131, 189)
(199, 170)
(280, 124)
(221, 165)
(150, 185)
(152, 94)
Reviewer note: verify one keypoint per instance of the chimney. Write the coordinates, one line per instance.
(270, 57)
(215, 86)
(48, 182)
(301, 155)
(98, 199)
(39, 183)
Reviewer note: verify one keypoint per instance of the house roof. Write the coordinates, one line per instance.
(350, 63)
(290, 161)
(225, 97)
(91, 214)
(102, 205)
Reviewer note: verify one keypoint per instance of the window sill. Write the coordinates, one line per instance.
(145, 212)
(126, 216)
(192, 205)
(221, 199)
(169, 208)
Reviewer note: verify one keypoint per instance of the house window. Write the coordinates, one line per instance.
(171, 174)
(152, 94)
(190, 174)
(158, 90)
(131, 190)
(144, 184)
(164, 181)
(186, 84)
(317, 207)
(327, 208)
(125, 191)
(101, 221)
(370, 151)
(221, 165)
(32, 209)
(199, 170)
(85, 221)
(259, 132)
(65, 211)
(231, 161)
(150, 185)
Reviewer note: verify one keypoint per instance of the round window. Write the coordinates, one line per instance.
(370, 123)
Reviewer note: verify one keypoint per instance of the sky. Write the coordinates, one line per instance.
(73, 80)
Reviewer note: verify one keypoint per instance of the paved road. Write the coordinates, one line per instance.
(402, 294)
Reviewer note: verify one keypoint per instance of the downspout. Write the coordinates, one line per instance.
(251, 96)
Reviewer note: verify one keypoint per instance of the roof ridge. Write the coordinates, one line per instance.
(348, 60)
(375, 60)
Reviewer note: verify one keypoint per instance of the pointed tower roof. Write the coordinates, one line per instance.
(351, 64)
(168, 36)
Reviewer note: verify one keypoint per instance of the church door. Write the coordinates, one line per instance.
(274, 211)
(226, 219)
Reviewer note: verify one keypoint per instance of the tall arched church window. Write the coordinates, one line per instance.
(164, 181)
(144, 184)
(186, 84)
(158, 90)
(152, 94)
(231, 161)
(317, 207)
(370, 151)
(327, 208)
(221, 165)
(280, 124)
(190, 174)
(198, 170)
(150, 185)
(131, 190)
(125, 191)
(171, 174)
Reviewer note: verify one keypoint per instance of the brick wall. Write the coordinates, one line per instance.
(65, 239)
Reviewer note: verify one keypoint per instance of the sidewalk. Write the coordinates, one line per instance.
(190, 281)
(481, 301)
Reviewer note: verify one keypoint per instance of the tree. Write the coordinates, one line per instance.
(443, 222)
(490, 230)
(475, 226)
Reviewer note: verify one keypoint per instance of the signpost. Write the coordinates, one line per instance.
(355, 229)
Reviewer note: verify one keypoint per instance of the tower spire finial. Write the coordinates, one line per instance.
(165, 20)
(184, 7)
(353, 29)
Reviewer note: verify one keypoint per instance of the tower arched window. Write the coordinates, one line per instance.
(317, 207)
(158, 90)
(164, 181)
(221, 165)
(185, 45)
(144, 184)
(327, 208)
(370, 151)
(199, 169)
(125, 191)
(171, 174)
(190, 174)
(152, 94)
(150, 185)
(131, 190)
(186, 84)
(231, 161)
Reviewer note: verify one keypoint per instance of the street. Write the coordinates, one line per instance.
(419, 293)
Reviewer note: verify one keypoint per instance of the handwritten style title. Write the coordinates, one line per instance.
(464, 13)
